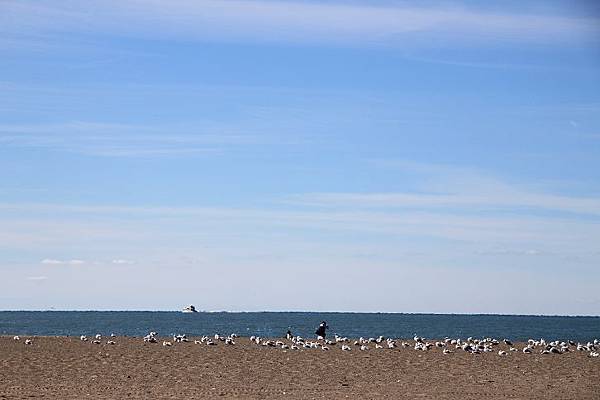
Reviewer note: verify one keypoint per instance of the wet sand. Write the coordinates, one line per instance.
(67, 368)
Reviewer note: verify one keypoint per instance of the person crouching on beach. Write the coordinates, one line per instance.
(320, 332)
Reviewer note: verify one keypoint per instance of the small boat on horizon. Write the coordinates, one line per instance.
(189, 309)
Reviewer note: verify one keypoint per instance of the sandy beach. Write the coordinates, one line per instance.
(66, 367)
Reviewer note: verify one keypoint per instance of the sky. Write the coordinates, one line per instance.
(389, 156)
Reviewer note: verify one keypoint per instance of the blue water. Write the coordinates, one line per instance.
(139, 323)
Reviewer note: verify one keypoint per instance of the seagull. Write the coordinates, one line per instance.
(28, 341)
(555, 350)
(16, 338)
(502, 353)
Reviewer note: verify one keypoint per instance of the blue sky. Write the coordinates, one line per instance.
(295, 155)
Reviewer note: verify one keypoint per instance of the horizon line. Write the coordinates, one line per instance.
(312, 312)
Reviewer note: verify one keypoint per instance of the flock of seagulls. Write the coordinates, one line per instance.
(447, 346)
(98, 339)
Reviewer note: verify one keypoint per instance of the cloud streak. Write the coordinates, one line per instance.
(123, 140)
(37, 278)
(292, 21)
(453, 189)
(51, 261)
(122, 262)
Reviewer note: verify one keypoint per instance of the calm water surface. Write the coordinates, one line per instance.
(139, 323)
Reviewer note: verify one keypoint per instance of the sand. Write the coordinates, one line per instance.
(67, 368)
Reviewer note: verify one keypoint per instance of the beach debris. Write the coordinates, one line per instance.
(167, 344)
(502, 353)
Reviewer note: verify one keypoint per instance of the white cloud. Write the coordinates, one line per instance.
(37, 278)
(120, 261)
(509, 252)
(51, 261)
(60, 262)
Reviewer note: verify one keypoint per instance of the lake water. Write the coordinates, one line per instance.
(139, 323)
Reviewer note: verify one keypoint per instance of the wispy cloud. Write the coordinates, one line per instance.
(123, 140)
(292, 21)
(460, 206)
(502, 199)
(138, 225)
(453, 189)
(510, 252)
